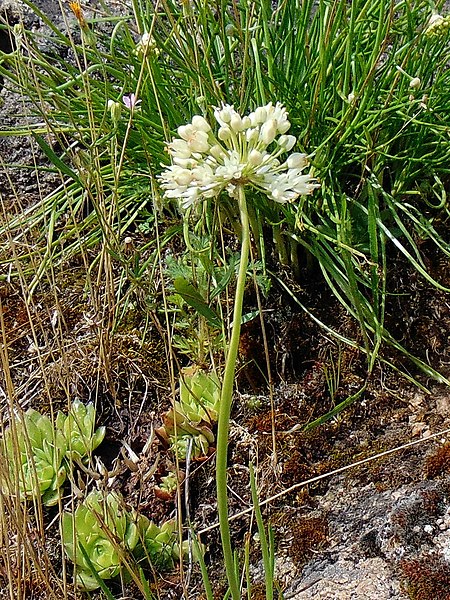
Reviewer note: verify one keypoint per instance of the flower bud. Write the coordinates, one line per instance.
(236, 123)
(146, 45)
(230, 30)
(287, 142)
(115, 109)
(216, 152)
(415, 83)
(268, 131)
(297, 161)
(260, 114)
(252, 135)
(224, 133)
(225, 113)
(128, 244)
(283, 126)
(200, 123)
(201, 101)
(185, 131)
(18, 31)
(255, 158)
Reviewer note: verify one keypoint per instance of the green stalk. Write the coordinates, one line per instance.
(225, 403)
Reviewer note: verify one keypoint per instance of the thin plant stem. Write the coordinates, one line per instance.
(225, 402)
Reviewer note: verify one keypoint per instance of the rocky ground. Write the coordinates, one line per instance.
(379, 529)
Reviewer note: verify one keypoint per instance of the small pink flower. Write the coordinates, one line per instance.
(131, 101)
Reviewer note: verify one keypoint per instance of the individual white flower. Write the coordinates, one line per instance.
(415, 83)
(287, 142)
(201, 124)
(196, 138)
(181, 148)
(297, 161)
(245, 151)
(288, 186)
(279, 113)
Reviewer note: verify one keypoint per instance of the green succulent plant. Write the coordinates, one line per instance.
(168, 485)
(199, 396)
(34, 452)
(180, 445)
(101, 529)
(194, 415)
(158, 545)
(79, 430)
(37, 453)
(101, 533)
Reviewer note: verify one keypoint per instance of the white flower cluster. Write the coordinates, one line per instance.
(146, 45)
(204, 164)
(437, 26)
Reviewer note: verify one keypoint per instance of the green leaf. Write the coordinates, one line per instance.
(192, 296)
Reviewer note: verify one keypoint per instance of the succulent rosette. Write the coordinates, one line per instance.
(190, 422)
(196, 444)
(158, 544)
(34, 451)
(168, 485)
(79, 430)
(199, 396)
(101, 530)
(38, 454)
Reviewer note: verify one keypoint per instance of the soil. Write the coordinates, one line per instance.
(379, 529)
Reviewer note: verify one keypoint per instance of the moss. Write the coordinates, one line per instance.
(309, 535)
(296, 469)
(426, 578)
(438, 463)
(259, 591)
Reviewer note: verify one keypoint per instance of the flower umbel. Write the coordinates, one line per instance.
(437, 26)
(204, 163)
(146, 45)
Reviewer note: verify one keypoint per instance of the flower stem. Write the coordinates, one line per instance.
(225, 403)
